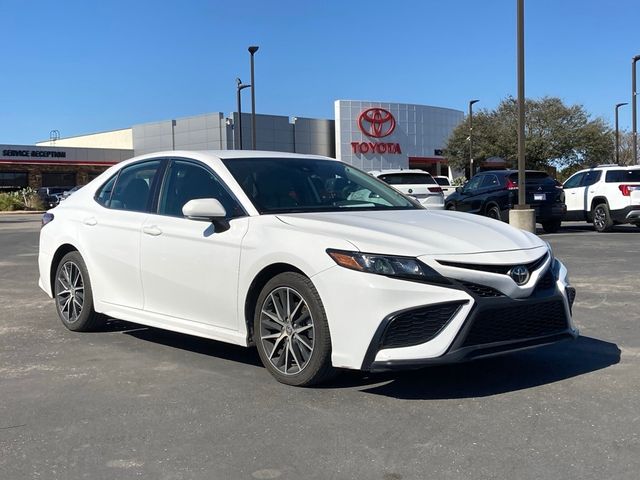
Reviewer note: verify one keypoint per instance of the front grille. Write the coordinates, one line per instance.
(501, 269)
(482, 290)
(547, 281)
(419, 325)
(516, 322)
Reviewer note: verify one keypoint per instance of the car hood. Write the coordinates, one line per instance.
(416, 232)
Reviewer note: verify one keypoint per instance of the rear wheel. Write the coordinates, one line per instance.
(73, 295)
(551, 226)
(602, 221)
(291, 331)
(494, 212)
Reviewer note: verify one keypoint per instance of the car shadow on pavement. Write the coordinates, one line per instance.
(491, 376)
(203, 346)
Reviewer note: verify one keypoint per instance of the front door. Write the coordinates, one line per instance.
(574, 197)
(190, 268)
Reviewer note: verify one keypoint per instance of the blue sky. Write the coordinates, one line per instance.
(86, 66)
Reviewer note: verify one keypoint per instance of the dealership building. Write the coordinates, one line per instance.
(369, 135)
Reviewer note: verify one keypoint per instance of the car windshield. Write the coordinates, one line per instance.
(288, 185)
(407, 179)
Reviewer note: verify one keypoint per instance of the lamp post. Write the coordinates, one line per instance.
(239, 87)
(618, 105)
(522, 216)
(252, 50)
(634, 94)
(471, 102)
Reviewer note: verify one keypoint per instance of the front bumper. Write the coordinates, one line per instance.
(360, 327)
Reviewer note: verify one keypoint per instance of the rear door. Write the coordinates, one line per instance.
(110, 232)
(470, 196)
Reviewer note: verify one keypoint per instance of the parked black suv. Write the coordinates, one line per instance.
(493, 193)
(50, 196)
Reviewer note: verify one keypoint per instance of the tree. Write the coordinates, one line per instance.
(626, 148)
(556, 135)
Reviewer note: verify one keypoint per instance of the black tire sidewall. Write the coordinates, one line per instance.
(87, 319)
(608, 221)
(496, 213)
(319, 366)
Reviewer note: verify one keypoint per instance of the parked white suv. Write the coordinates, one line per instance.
(445, 183)
(605, 195)
(415, 183)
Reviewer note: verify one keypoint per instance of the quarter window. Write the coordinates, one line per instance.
(187, 181)
(103, 195)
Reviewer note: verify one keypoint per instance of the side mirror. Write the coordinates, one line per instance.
(459, 189)
(207, 210)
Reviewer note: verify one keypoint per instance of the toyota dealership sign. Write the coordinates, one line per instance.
(376, 123)
(379, 135)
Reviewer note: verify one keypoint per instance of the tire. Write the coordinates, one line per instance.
(451, 206)
(494, 212)
(284, 343)
(73, 295)
(602, 221)
(551, 226)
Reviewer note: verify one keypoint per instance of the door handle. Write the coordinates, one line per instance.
(152, 230)
(572, 193)
(91, 221)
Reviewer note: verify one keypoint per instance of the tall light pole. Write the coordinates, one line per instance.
(618, 105)
(522, 216)
(239, 87)
(471, 102)
(252, 50)
(634, 120)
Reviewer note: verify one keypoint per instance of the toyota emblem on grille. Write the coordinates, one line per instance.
(376, 122)
(520, 274)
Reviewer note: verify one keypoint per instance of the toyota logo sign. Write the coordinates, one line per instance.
(376, 122)
(520, 274)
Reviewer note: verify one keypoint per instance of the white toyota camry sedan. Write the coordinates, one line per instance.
(314, 262)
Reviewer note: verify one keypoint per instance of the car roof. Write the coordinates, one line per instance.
(398, 170)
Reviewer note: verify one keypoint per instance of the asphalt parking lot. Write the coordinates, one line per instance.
(137, 402)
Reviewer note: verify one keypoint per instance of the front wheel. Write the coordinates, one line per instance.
(602, 221)
(291, 331)
(451, 206)
(551, 226)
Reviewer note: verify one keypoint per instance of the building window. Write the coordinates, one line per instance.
(13, 180)
(58, 179)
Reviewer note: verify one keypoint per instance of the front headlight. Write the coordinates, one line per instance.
(390, 266)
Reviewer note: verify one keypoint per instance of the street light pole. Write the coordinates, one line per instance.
(471, 102)
(252, 50)
(521, 151)
(618, 105)
(239, 87)
(634, 94)
(522, 216)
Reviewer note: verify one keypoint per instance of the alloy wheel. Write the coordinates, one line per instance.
(70, 292)
(599, 218)
(287, 330)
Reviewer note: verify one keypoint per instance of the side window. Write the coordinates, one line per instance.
(133, 186)
(474, 183)
(591, 177)
(103, 195)
(574, 181)
(187, 181)
(489, 181)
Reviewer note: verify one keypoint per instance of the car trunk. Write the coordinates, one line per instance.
(539, 188)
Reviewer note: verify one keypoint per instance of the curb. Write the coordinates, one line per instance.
(23, 212)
